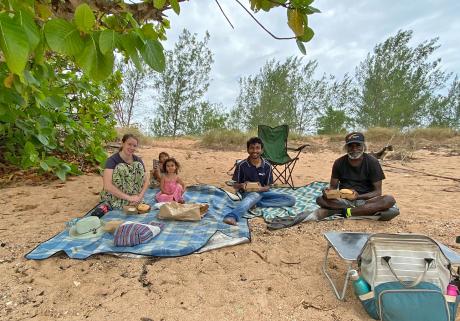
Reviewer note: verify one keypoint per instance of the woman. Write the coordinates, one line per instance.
(124, 175)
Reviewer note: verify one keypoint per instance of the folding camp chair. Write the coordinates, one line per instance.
(348, 246)
(275, 151)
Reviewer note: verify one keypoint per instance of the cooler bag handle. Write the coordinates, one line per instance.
(407, 284)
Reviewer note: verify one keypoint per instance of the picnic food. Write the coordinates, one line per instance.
(332, 193)
(347, 194)
(252, 186)
(130, 209)
(143, 208)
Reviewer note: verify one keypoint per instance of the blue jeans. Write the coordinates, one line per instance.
(262, 199)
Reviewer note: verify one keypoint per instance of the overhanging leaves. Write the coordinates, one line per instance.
(14, 44)
(153, 55)
(295, 21)
(84, 18)
(108, 41)
(93, 62)
(26, 21)
(63, 37)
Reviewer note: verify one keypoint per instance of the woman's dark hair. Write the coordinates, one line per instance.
(253, 141)
(126, 137)
(169, 160)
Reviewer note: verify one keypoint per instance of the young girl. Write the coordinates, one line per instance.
(157, 171)
(172, 187)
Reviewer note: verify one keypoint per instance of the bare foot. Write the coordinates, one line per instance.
(230, 221)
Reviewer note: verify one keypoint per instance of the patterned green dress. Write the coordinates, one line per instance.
(128, 178)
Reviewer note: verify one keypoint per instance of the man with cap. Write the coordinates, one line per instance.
(362, 174)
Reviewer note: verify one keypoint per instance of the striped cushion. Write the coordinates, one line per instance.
(130, 234)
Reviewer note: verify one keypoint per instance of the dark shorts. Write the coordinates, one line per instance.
(352, 204)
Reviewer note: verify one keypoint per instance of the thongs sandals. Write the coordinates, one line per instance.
(283, 222)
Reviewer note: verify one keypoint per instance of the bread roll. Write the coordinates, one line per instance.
(332, 194)
(143, 208)
(346, 191)
(347, 194)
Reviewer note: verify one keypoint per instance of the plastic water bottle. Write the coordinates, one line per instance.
(100, 210)
(360, 285)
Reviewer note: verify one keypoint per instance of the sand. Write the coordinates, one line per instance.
(275, 277)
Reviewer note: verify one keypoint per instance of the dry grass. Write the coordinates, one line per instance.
(144, 140)
(405, 143)
(226, 139)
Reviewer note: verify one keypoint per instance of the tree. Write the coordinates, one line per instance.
(288, 93)
(84, 34)
(397, 83)
(134, 82)
(203, 118)
(180, 89)
(269, 97)
(64, 115)
(446, 111)
(336, 100)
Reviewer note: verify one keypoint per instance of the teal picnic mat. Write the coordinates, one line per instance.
(305, 201)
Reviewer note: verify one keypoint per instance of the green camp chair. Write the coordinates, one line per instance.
(275, 151)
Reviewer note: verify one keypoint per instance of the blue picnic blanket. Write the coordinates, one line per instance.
(305, 201)
(177, 238)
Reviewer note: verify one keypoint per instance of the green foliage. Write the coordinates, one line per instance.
(397, 83)
(269, 97)
(332, 122)
(179, 91)
(446, 111)
(204, 118)
(60, 115)
(287, 93)
(57, 81)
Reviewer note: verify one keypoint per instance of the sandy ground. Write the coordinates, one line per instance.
(275, 277)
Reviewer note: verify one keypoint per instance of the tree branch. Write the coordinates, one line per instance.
(141, 11)
(218, 4)
(266, 30)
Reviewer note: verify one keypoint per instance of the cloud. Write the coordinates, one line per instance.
(345, 32)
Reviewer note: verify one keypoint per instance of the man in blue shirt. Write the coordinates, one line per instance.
(255, 169)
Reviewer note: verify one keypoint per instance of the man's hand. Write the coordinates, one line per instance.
(264, 188)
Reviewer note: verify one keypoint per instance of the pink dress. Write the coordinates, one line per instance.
(174, 192)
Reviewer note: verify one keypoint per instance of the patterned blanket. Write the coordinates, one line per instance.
(176, 239)
(179, 238)
(305, 201)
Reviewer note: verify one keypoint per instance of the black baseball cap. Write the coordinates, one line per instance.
(354, 137)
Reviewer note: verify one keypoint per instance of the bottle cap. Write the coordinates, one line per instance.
(354, 275)
(452, 289)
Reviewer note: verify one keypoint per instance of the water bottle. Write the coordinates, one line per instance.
(452, 290)
(360, 285)
(100, 210)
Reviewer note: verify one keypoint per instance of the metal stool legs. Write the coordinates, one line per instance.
(340, 295)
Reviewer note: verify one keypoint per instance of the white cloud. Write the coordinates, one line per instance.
(345, 33)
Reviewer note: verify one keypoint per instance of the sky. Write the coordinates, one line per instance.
(345, 32)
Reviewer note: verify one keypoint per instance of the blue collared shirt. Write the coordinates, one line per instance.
(246, 172)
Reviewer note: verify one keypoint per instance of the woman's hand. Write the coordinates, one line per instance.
(135, 199)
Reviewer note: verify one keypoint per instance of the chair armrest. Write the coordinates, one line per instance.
(298, 149)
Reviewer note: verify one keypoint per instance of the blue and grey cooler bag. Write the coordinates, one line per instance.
(408, 275)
